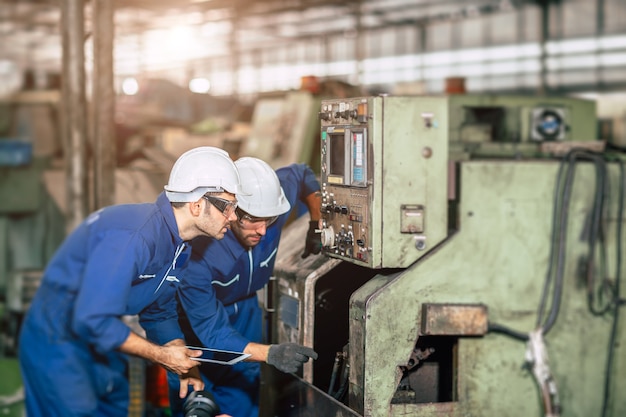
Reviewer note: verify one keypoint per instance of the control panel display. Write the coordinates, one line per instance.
(337, 156)
(345, 153)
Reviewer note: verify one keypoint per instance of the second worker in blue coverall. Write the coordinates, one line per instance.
(233, 270)
(122, 260)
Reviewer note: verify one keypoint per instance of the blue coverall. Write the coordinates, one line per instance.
(233, 273)
(122, 260)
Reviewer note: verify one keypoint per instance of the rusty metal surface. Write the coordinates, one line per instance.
(454, 319)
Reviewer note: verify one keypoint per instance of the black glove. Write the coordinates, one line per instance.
(313, 242)
(289, 357)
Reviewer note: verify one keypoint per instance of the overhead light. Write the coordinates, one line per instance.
(130, 86)
(199, 85)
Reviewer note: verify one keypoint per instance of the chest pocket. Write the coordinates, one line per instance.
(179, 259)
(150, 283)
(227, 283)
(265, 263)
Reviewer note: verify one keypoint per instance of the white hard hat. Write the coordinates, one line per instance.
(265, 197)
(199, 171)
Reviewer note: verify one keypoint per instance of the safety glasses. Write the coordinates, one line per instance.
(227, 207)
(247, 221)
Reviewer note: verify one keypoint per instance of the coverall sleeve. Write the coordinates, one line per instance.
(103, 295)
(298, 177)
(298, 182)
(160, 321)
(205, 312)
(310, 184)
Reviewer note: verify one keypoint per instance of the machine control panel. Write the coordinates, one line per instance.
(383, 178)
(346, 180)
(345, 217)
(344, 112)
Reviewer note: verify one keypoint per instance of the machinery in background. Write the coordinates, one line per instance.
(284, 127)
(31, 224)
(472, 262)
(33, 209)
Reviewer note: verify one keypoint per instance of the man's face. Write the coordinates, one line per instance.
(219, 212)
(249, 230)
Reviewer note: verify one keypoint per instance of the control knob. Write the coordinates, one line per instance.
(325, 116)
(328, 237)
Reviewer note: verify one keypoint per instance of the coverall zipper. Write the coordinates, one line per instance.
(179, 250)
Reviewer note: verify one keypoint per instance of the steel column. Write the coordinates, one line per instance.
(74, 108)
(103, 106)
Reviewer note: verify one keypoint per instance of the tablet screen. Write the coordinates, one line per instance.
(224, 357)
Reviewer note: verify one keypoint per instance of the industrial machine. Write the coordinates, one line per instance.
(31, 224)
(471, 263)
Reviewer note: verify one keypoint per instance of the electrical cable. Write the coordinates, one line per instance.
(497, 328)
(556, 265)
(333, 375)
(597, 236)
(553, 239)
(595, 233)
(343, 387)
(595, 241)
(618, 302)
(561, 236)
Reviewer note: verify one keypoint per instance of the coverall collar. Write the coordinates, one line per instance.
(165, 207)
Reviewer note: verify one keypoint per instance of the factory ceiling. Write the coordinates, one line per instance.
(31, 38)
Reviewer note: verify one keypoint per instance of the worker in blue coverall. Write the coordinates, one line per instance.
(223, 277)
(122, 260)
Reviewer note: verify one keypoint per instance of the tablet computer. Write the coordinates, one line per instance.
(224, 357)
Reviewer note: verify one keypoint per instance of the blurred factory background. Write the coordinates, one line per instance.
(98, 98)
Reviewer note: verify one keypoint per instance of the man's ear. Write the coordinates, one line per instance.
(195, 207)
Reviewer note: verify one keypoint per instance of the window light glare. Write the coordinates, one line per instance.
(130, 86)
(199, 85)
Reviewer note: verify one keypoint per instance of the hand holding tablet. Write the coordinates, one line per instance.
(224, 357)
